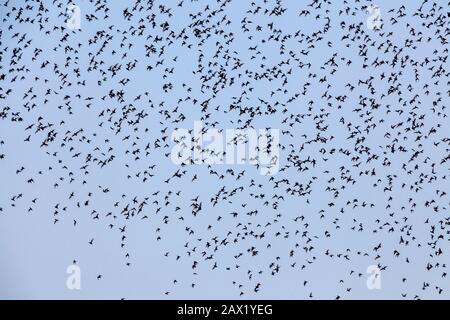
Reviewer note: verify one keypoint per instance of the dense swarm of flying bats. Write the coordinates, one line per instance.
(362, 114)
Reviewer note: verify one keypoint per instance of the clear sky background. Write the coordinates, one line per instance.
(35, 252)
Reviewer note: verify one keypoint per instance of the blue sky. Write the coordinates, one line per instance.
(35, 252)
